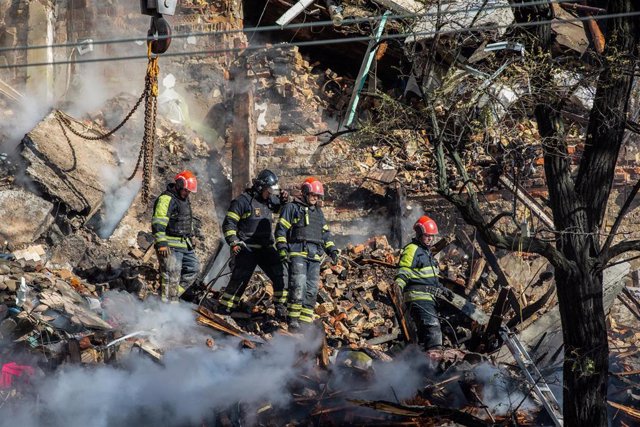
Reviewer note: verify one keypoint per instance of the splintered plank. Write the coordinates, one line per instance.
(404, 318)
(632, 412)
(218, 323)
(454, 415)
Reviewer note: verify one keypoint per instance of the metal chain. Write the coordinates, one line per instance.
(147, 169)
(148, 140)
(73, 150)
(141, 153)
(67, 122)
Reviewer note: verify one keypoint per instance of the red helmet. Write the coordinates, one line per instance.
(186, 180)
(311, 185)
(425, 225)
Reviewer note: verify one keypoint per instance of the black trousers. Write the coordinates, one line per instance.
(242, 268)
(425, 316)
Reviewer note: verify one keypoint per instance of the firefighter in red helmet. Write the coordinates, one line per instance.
(172, 227)
(417, 277)
(302, 237)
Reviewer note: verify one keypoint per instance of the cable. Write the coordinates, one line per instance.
(325, 41)
(294, 26)
(259, 21)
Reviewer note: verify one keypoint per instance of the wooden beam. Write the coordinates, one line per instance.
(476, 271)
(243, 139)
(497, 316)
(493, 262)
(521, 194)
(404, 317)
(243, 133)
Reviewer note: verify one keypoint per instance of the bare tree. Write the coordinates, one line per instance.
(462, 120)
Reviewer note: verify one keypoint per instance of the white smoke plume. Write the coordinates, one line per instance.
(27, 114)
(500, 392)
(118, 197)
(193, 381)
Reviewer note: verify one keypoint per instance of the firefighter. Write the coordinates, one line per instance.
(302, 237)
(172, 227)
(417, 277)
(247, 228)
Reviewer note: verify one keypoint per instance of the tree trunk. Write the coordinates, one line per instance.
(586, 349)
(578, 207)
(578, 285)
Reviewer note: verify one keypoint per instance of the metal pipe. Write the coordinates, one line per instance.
(133, 334)
(293, 12)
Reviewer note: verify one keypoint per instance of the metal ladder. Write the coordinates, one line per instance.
(533, 376)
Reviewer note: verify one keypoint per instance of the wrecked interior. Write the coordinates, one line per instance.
(320, 91)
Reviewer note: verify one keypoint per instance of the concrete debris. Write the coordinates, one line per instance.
(570, 33)
(68, 168)
(32, 253)
(30, 216)
(492, 16)
(78, 270)
(403, 6)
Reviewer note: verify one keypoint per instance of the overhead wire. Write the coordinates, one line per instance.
(268, 28)
(266, 4)
(325, 42)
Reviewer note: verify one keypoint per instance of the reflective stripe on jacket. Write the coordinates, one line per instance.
(250, 219)
(312, 242)
(417, 272)
(172, 222)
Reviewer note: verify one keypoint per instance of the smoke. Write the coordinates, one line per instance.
(187, 387)
(29, 112)
(500, 392)
(118, 197)
(193, 381)
(398, 380)
(90, 92)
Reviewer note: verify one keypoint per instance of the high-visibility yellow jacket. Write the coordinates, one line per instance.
(172, 222)
(302, 230)
(417, 272)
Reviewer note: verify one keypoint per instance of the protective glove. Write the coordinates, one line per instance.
(284, 256)
(163, 251)
(284, 196)
(334, 258)
(237, 246)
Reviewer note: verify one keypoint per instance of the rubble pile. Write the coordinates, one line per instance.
(291, 95)
(50, 312)
(74, 197)
(58, 318)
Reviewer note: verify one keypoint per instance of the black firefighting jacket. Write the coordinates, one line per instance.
(250, 219)
(302, 230)
(417, 273)
(172, 222)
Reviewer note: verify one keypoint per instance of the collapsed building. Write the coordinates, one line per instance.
(78, 269)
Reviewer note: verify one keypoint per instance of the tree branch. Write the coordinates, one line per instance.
(618, 221)
(333, 135)
(473, 216)
(619, 249)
